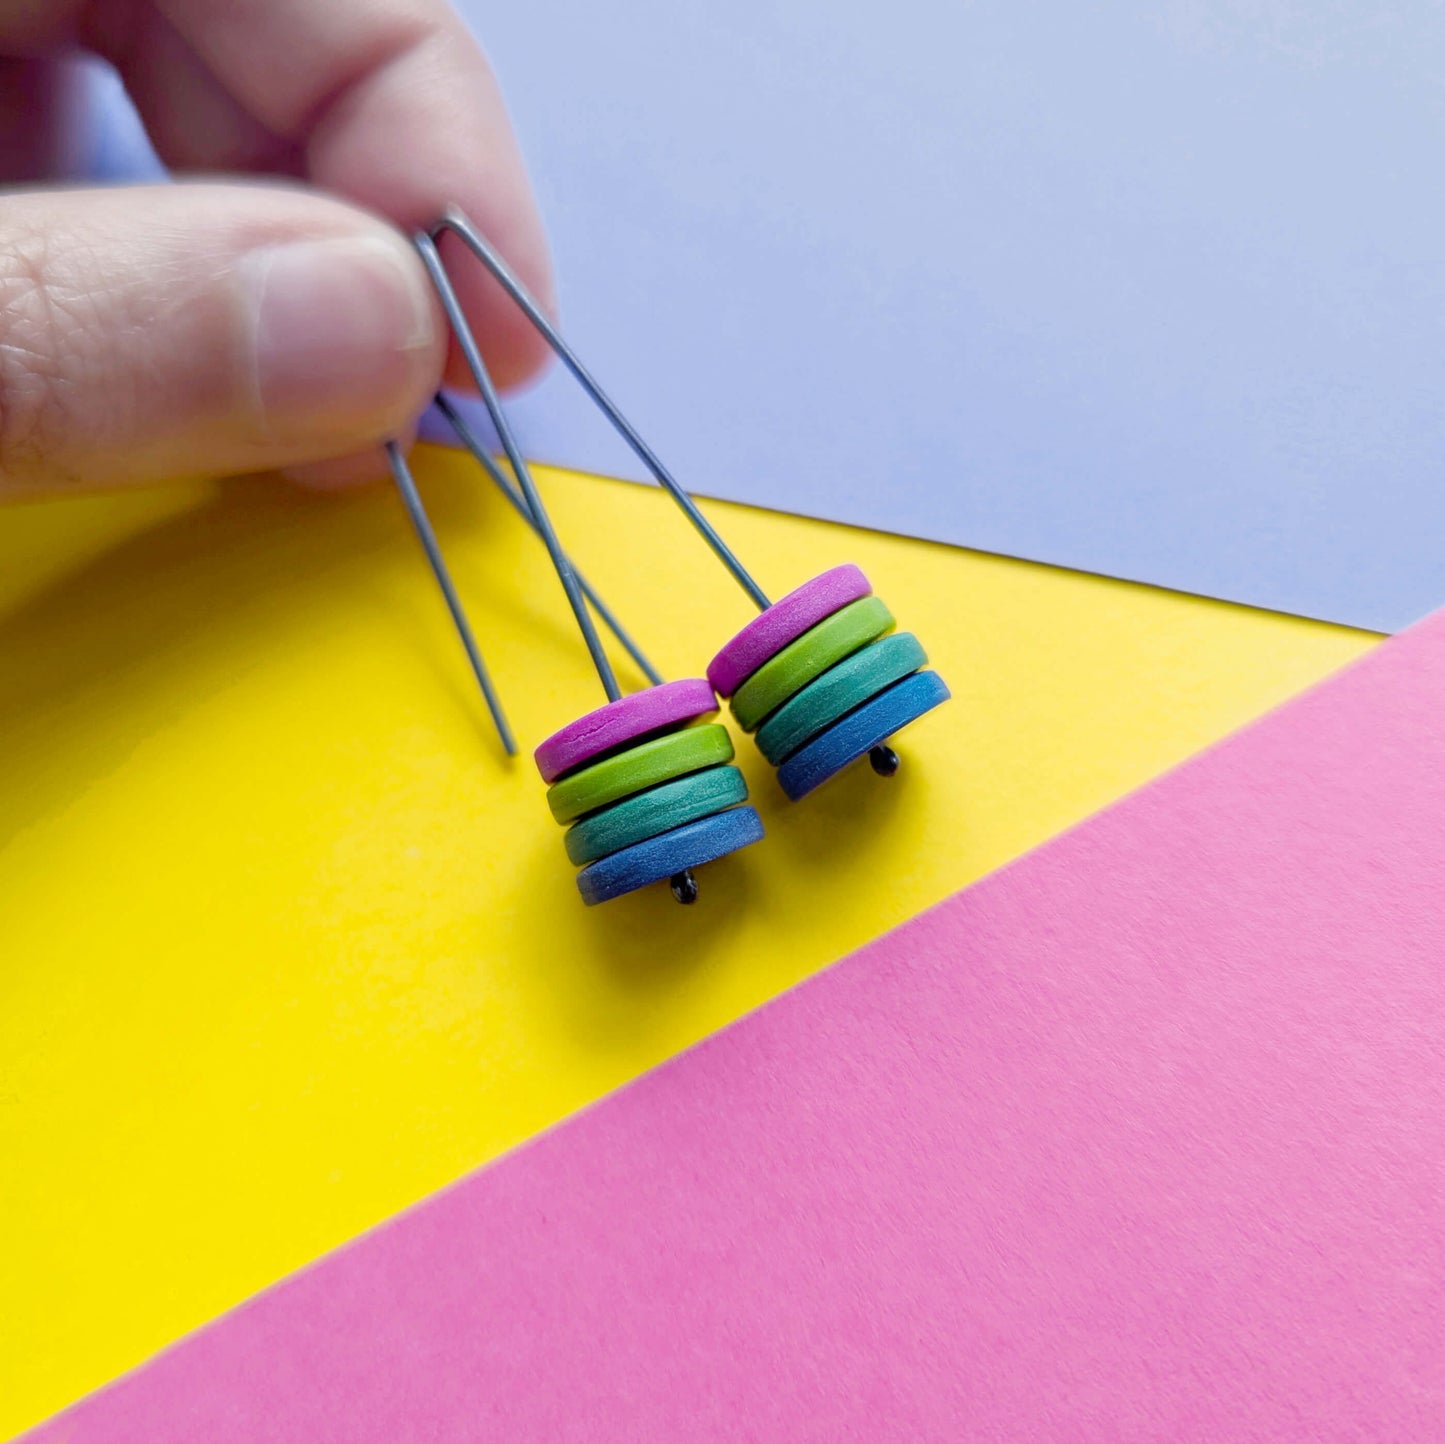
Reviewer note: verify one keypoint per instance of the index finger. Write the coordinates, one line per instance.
(391, 104)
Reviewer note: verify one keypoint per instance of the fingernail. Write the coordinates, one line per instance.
(343, 336)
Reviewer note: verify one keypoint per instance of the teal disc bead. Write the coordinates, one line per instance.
(658, 760)
(837, 692)
(863, 729)
(659, 809)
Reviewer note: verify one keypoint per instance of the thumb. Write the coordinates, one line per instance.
(187, 330)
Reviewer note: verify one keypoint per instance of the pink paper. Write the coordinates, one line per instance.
(1140, 1138)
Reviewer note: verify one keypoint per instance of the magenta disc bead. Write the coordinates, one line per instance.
(785, 621)
(630, 717)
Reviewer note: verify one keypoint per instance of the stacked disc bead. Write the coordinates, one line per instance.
(821, 678)
(646, 789)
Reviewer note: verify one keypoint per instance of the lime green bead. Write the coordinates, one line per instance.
(659, 809)
(819, 648)
(659, 760)
(837, 692)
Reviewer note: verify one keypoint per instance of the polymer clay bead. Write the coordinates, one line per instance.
(807, 657)
(619, 722)
(658, 760)
(657, 810)
(783, 622)
(667, 855)
(860, 731)
(837, 692)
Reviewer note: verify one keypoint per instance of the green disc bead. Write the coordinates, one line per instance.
(837, 692)
(819, 648)
(660, 760)
(659, 809)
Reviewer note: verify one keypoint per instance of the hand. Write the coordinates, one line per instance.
(276, 317)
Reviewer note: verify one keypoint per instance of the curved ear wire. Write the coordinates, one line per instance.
(649, 796)
(456, 222)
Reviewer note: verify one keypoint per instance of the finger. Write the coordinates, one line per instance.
(390, 104)
(192, 119)
(340, 473)
(202, 330)
(39, 103)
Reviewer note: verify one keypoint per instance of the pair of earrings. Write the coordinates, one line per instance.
(645, 784)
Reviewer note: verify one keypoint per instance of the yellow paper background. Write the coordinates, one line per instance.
(285, 944)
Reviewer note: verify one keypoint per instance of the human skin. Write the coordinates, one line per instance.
(266, 313)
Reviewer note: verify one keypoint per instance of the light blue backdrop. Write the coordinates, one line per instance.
(1149, 289)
